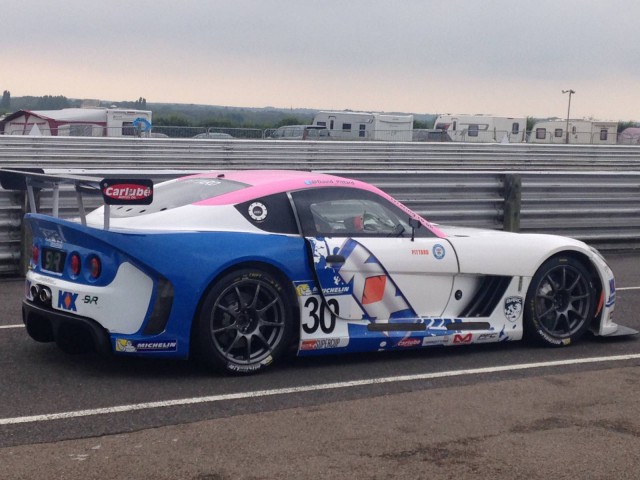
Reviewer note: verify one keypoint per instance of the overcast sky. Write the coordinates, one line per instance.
(504, 57)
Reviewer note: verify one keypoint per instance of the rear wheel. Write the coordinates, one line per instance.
(245, 322)
(560, 302)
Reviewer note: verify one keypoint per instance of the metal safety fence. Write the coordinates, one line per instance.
(587, 192)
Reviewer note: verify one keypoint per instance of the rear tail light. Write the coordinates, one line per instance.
(96, 267)
(35, 254)
(75, 264)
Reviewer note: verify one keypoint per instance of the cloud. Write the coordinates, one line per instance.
(422, 56)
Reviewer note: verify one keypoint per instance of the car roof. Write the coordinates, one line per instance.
(261, 183)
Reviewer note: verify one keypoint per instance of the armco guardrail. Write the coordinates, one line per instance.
(584, 191)
(160, 153)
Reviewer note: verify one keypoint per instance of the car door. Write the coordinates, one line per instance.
(369, 262)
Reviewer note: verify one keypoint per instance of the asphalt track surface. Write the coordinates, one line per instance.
(493, 411)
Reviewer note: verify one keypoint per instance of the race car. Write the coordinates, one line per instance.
(238, 267)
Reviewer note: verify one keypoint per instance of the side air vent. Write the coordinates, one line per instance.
(486, 298)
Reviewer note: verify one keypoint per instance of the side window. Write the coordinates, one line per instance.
(272, 214)
(346, 127)
(541, 133)
(558, 133)
(515, 128)
(604, 134)
(473, 130)
(127, 128)
(350, 212)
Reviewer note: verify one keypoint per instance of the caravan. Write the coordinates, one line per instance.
(77, 122)
(579, 131)
(482, 128)
(366, 126)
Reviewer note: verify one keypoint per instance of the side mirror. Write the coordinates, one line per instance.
(414, 223)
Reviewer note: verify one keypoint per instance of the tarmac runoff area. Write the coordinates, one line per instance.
(564, 426)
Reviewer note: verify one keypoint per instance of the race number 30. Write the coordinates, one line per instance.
(321, 317)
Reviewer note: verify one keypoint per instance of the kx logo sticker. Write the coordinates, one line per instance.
(67, 300)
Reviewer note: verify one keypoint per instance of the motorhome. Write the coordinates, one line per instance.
(482, 128)
(78, 122)
(578, 132)
(366, 126)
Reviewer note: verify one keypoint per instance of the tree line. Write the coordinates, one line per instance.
(191, 115)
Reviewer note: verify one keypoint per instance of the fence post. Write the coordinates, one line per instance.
(26, 236)
(512, 194)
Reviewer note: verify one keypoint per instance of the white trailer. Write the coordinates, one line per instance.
(579, 132)
(482, 128)
(77, 122)
(366, 126)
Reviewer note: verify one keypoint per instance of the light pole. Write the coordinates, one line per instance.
(570, 92)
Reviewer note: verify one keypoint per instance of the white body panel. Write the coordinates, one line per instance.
(103, 304)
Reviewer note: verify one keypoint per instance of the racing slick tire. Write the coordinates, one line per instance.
(245, 322)
(560, 302)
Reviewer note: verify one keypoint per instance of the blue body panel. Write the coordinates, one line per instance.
(189, 260)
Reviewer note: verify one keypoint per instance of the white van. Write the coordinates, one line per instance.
(301, 132)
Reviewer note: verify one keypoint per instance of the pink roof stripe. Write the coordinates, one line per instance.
(269, 182)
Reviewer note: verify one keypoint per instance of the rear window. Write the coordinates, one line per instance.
(178, 193)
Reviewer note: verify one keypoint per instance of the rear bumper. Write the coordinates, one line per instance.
(48, 325)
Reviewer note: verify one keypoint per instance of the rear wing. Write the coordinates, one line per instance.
(114, 191)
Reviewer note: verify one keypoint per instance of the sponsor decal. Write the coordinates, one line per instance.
(487, 337)
(258, 211)
(129, 346)
(320, 344)
(459, 339)
(513, 308)
(612, 293)
(67, 301)
(336, 290)
(419, 251)
(435, 340)
(409, 342)
(127, 191)
(90, 300)
(337, 181)
(438, 251)
(304, 290)
(52, 237)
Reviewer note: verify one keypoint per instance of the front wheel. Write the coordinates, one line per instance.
(245, 322)
(560, 302)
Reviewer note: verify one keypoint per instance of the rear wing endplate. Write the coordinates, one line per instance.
(114, 191)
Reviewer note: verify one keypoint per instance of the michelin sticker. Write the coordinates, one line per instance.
(129, 346)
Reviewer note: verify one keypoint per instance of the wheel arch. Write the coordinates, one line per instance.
(585, 260)
(597, 283)
(278, 273)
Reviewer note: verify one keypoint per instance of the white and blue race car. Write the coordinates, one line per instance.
(237, 267)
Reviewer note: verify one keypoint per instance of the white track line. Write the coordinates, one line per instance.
(308, 388)
(11, 326)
